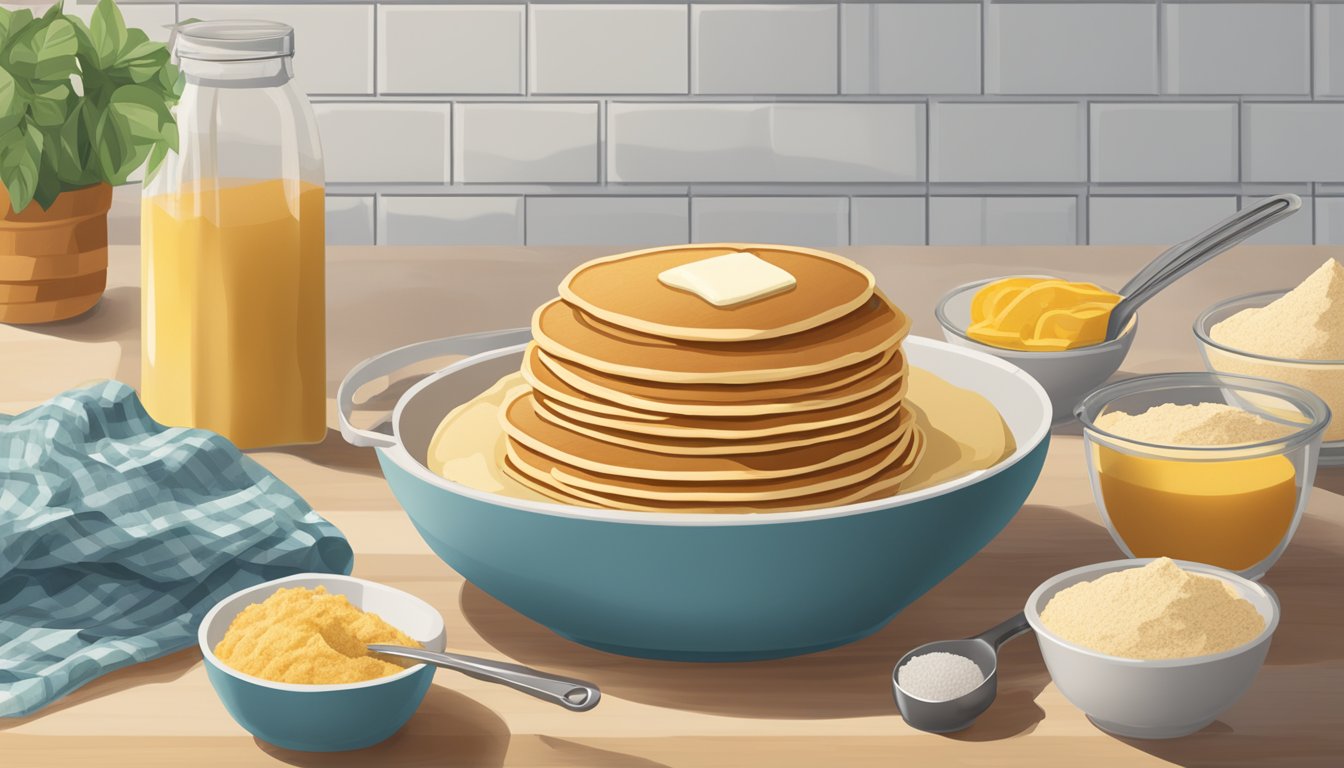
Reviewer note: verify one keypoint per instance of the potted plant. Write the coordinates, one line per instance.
(81, 108)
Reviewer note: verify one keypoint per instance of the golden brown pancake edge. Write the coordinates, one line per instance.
(832, 284)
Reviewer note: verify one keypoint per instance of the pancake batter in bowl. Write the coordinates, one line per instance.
(963, 434)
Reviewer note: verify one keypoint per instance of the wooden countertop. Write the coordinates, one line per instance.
(831, 708)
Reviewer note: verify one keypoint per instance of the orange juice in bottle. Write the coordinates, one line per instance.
(233, 257)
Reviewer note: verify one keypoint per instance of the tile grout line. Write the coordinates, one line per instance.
(376, 89)
(839, 8)
(1311, 51)
(928, 166)
(984, 44)
(1082, 203)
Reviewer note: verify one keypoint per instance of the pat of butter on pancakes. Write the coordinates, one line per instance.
(730, 279)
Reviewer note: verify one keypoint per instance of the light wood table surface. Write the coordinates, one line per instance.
(827, 709)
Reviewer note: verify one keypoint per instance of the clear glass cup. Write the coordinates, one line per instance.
(1325, 378)
(233, 288)
(1233, 506)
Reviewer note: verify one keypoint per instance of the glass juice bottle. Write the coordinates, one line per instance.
(233, 325)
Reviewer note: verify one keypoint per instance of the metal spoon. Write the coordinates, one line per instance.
(957, 714)
(574, 695)
(1185, 256)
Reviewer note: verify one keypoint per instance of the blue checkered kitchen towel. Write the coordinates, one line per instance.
(117, 535)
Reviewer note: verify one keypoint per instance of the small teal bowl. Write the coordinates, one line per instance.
(324, 718)
(700, 587)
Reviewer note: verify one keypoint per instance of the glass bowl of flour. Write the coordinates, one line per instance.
(1209, 467)
(1293, 336)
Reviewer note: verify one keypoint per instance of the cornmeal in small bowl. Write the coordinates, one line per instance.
(289, 662)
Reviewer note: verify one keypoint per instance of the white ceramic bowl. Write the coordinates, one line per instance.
(1160, 699)
(325, 718)
(1067, 376)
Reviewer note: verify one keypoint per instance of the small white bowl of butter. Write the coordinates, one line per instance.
(1067, 375)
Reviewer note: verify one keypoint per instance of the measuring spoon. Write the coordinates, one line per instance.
(574, 695)
(957, 714)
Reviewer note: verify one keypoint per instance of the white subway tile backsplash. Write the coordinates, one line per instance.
(886, 221)
(333, 44)
(1330, 220)
(1293, 142)
(525, 143)
(814, 221)
(628, 221)
(1153, 220)
(910, 48)
(1237, 48)
(1006, 142)
(764, 49)
(1294, 230)
(845, 154)
(450, 49)
(1329, 48)
(385, 142)
(443, 220)
(610, 49)
(1043, 48)
(718, 142)
(1164, 142)
(350, 220)
(1003, 220)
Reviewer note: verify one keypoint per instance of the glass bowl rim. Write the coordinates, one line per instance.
(940, 313)
(1202, 329)
(1307, 402)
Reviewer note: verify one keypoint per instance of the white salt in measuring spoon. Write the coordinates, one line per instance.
(1183, 257)
(957, 714)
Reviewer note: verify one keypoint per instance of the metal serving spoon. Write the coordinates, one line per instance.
(957, 714)
(574, 695)
(1185, 256)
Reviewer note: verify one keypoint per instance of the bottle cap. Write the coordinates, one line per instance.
(233, 40)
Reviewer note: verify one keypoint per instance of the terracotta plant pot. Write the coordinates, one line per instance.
(53, 263)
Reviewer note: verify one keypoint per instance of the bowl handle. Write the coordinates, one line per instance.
(394, 360)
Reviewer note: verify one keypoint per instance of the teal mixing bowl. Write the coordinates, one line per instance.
(324, 718)
(699, 587)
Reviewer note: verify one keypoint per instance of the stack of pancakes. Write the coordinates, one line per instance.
(641, 396)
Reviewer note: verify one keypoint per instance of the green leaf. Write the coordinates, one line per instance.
(20, 154)
(44, 51)
(49, 184)
(138, 46)
(108, 32)
(169, 135)
(49, 105)
(73, 148)
(143, 109)
(157, 154)
(13, 22)
(11, 102)
(57, 10)
(82, 36)
(122, 139)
